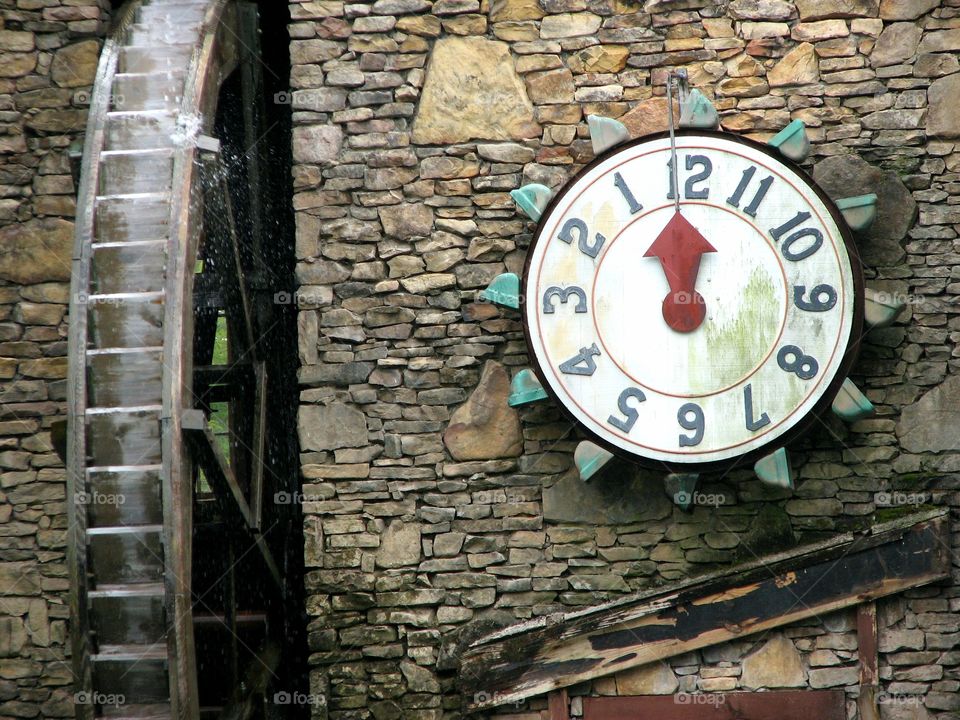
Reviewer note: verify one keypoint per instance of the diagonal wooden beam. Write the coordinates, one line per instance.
(224, 483)
(804, 582)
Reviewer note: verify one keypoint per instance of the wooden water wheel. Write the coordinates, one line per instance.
(180, 560)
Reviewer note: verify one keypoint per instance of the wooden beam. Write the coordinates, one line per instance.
(541, 655)
(776, 705)
(221, 478)
(869, 675)
(259, 445)
(559, 704)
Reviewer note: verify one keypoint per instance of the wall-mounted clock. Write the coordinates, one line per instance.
(698, 328)
(692, 299)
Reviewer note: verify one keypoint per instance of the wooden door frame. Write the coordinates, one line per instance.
(772, 705)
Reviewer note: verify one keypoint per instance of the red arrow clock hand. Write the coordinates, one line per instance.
(679, 247)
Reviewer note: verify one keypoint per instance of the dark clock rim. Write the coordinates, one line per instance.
(804, 424)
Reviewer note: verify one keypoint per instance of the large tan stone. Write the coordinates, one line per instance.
(943, 118)
(75, 65)
(399, 545)
(515, 10)
(798, 67)
(552, 86)
(600, 59)
(472, 92)
(569, 25)
(36, 251)
(653, 679)
(897, 43)
(17, 64)
(650, 116)
(825, 9)
(328, 427)
(486, 427)
(775, 665)
(930, 424)
(906, 9)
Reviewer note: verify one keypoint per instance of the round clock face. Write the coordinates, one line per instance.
(699, 334)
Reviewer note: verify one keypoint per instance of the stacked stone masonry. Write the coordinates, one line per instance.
(48, 57)
(431, 509)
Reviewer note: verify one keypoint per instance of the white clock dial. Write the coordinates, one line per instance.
(695, 337)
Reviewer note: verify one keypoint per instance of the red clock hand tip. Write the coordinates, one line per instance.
(679, 247)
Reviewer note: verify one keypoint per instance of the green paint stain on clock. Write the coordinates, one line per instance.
(736, 346)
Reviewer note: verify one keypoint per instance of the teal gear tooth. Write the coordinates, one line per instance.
(532, 199)
(850, 404)
(859, 211)
(698, 112)
(792, 141)
(606, 133)
(774, 469)
(590, 459)
(881, 308)
(503, 290)
(525, 388)
(686, 484)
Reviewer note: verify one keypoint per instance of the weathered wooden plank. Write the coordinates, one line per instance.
(746, 599)
(558, 703)
(869, 676)
(777, 705)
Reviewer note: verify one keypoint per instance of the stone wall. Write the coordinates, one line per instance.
(48, 56)
(431, 509)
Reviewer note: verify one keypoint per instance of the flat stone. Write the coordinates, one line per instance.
(906, 9)
(36, 251)
(316, 143)
(940, 41)
(745, 87)
(826, 9)
(328, 427)
(16, 41)
(486, 427)
(616, 496)
(761, 10)
(399, 545)
(406, 220)
(419, 679)
(599, 59)
(935, 65)
(75, 65)
(820, 30)
(797, 67)
(569, 25)
(776, 664)
(849, 175)
(649, 116)
(551, 86)
(14, 64)
(834, 677)
(930, 424)
(13, 635)
(497, 106)
(501, 10)
(653, 679)
(896, 44)
(943, 118)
